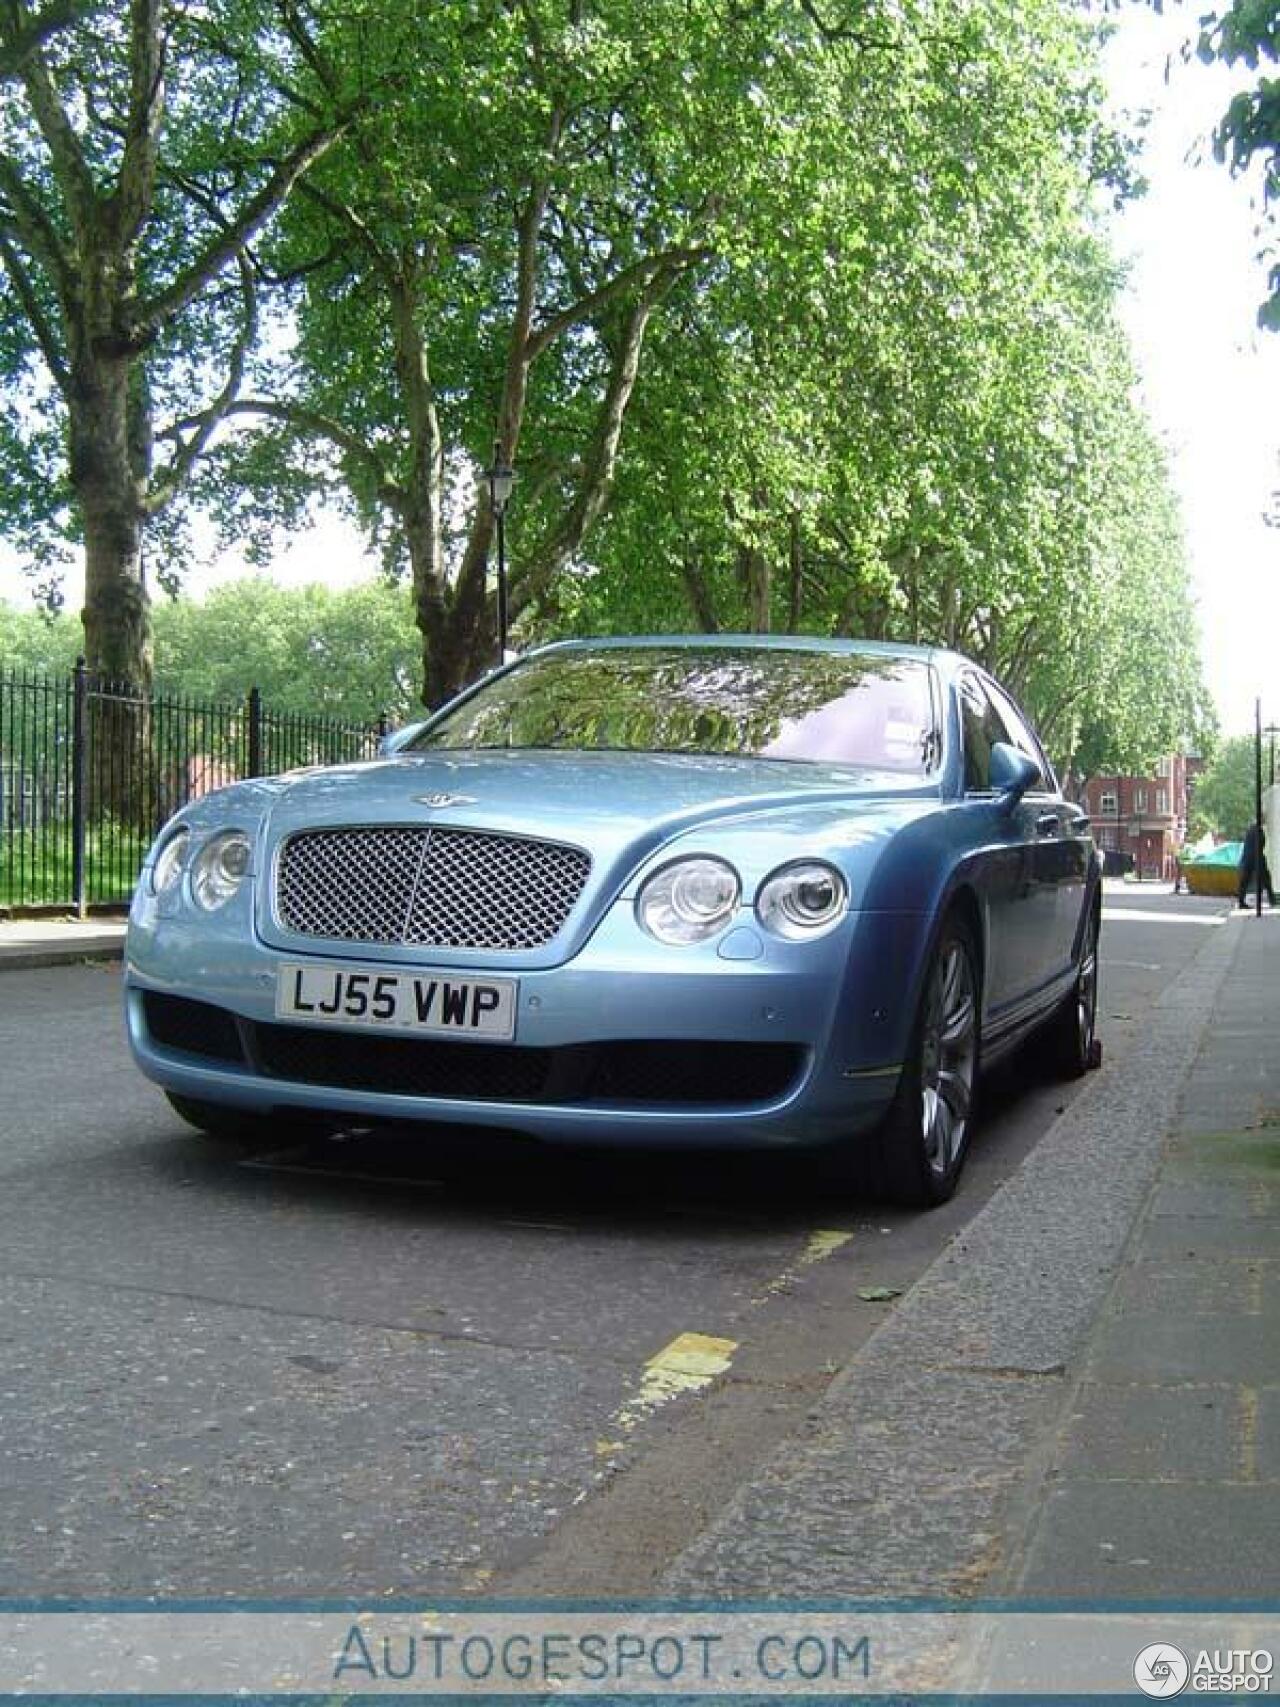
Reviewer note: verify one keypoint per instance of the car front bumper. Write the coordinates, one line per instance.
(776, 1043)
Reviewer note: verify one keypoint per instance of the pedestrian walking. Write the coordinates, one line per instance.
(1253, 864)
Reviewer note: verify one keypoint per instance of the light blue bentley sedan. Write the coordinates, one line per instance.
(676, 891)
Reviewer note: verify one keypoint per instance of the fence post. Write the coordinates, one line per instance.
(79, 784)
(255, 732)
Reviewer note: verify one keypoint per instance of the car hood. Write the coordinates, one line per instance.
(593, 799)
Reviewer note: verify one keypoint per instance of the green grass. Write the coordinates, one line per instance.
(35, 865)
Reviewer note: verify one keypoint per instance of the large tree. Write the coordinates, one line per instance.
(146, 147)
(505, 249)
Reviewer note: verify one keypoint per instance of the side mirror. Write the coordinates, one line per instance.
(1012, 773)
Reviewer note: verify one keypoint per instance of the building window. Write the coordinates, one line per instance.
(1139, 799)
(1162, 800)
(1108, 805)
(1162, 769)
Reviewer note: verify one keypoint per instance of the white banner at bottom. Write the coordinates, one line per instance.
(545, 1651)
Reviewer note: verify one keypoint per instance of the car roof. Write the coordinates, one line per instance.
(758, 642)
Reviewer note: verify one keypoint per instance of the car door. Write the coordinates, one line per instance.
(1008, 843)
(1062, 843)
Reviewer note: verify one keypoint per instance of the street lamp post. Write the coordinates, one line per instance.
(1257, 801)
(502, 478)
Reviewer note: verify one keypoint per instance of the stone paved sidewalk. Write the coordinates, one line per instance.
(1164, 1479)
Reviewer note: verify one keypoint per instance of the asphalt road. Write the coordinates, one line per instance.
(360, 1368)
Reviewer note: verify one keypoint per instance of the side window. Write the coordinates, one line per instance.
(982, 727)
(1022, 738)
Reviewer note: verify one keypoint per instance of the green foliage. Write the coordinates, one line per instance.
(1248, 33)
(33, 641)
(349, 655)
(1223, 800)
(791, 315)
(923, 425)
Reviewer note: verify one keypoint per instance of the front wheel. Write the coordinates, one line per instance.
(917, 1155)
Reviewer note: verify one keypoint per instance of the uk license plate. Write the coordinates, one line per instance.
(432, 1004)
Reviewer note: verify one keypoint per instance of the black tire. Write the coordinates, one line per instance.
(1067, 1042)
(917, 1155)
(227, 1124)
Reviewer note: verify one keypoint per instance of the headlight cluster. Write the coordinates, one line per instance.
(689, 901)
(801, 900)
(693, 899)
(170, 862)
(217, 871)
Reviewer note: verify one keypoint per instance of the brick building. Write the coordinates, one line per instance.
(1143, 817)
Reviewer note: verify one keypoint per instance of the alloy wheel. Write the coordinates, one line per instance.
(948, 1056)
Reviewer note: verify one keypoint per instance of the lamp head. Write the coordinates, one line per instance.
(501, 478)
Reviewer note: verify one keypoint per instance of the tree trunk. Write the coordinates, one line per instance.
(105, 479)
(456, 637)
(473, 619)
(430, 608)
(117, 610)
(698, 591)
(753, 571)
(473, 631)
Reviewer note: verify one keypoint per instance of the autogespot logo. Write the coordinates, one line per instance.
(1161, 1670)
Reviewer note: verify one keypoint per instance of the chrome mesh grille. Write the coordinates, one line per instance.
(438, 888)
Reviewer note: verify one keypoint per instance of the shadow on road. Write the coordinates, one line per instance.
(485, 1174)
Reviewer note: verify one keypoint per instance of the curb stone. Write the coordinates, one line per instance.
(30, 953)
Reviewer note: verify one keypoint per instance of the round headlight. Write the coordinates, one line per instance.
(689, 901)
(220, 868)
(802, 900)
(170, 862)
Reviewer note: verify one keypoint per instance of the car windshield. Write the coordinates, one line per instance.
(865, 709)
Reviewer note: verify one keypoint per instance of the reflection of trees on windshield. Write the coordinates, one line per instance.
(788, 704)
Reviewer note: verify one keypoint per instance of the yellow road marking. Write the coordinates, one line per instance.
(822, 1244)
(690, 1363)
(818, 1247)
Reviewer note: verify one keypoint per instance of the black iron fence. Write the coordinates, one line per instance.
(90, 770)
